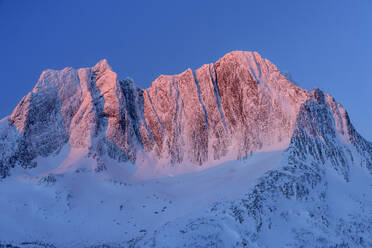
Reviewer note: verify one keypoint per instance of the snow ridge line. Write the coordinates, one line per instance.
(139, 106)
(216, 91)
(200, 99)
(251, 68)
(98, 104)
(177, 98)
(143, 120)
(156, 113)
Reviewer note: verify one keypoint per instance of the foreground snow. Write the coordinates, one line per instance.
(64, 209)
(258, 201)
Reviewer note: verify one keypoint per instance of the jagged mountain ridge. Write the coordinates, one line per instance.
(239, 105)
(318, 195)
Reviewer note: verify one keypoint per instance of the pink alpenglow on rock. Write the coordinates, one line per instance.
(238, 106)
(229, 155)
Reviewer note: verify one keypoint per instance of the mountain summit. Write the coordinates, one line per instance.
(235, 107)
(279, 154)
(240, 105)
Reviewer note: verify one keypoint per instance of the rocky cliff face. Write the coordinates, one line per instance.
(239, 105)
(317, 196)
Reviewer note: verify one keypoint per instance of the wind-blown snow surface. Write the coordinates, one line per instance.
(79, 209)
(230, 155)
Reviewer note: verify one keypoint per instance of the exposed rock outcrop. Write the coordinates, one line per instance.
(240, 105)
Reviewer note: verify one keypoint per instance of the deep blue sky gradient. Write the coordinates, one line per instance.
(325, 44)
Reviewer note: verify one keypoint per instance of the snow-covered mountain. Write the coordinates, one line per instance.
(230, 155)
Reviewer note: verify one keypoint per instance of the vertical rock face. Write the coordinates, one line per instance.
(259, 103)
(88, 108)
(324, 133)
(240, 105)
(317, 197)
(43, 116)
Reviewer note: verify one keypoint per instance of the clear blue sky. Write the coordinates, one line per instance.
(325, 44)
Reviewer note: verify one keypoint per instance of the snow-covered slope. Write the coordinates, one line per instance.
(230, 155)
(82, 209)
(319, 196)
